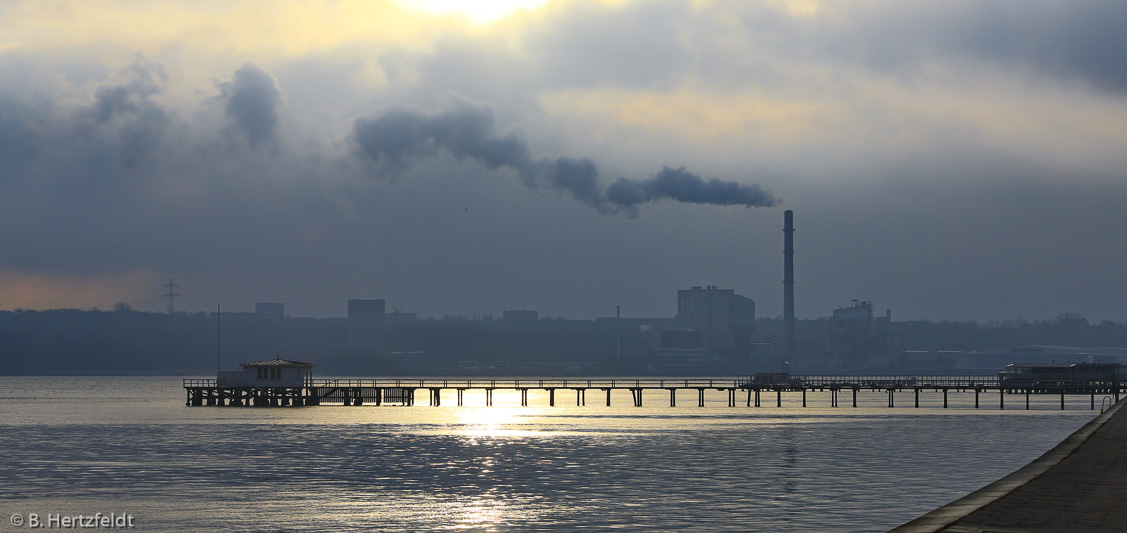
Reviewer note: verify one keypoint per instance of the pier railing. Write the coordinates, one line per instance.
(647, 383)
(762, 381)
(869, 382)
(533, 383)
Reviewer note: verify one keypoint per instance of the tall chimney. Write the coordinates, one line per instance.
(788, 280)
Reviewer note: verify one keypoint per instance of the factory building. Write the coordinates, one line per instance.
(724, 319)
(712, 324)
(520, 317)
(862, 341)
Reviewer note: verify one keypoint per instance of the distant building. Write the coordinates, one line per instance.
(1068, 377)
(276, 372)
(518, 317)
(270, 309)
(399, 317)
(860, 340)
(724, 319)
(366, 324)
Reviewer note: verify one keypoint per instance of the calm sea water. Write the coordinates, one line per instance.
(129, 445)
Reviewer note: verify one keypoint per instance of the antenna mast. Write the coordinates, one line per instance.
(171, 295)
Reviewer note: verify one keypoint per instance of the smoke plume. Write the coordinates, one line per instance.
(468, 130)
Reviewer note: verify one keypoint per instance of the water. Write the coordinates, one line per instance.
(129, 445)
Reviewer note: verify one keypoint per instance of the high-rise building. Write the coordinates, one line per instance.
(724, 319)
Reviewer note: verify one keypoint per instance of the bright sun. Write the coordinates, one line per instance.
(480, 11)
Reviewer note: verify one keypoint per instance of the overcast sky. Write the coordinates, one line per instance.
(948, 159)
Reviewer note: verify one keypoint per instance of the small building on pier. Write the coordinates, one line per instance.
(1061, 377)
(276, 372)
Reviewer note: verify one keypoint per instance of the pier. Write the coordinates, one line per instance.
(751, 391)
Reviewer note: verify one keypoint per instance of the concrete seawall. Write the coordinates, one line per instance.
(1079, 485)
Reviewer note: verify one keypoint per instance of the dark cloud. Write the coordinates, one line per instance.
(468, 130)
(142, 79)
(251, 99)
(20, 131)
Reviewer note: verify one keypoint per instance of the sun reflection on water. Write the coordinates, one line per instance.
(490, 421)
(481, 513)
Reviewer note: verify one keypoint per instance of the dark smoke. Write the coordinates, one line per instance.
(468, 130)
(681, 185)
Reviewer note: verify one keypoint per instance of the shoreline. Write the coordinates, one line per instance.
(984, 507)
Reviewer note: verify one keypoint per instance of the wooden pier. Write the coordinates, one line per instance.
(754, 390)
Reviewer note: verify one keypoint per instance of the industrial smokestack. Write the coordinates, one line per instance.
(788, 279)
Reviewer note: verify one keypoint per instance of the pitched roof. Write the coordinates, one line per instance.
(277, 362)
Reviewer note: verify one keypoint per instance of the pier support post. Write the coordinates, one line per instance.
(1093, 391)
(460, 391)
(608, 397)
(524, 397)
(976, 391)
(489, 397)
(1002, 399)
(891, 402)
(579, 398)
(854, 396)
(944, 397)
(778, 397)
(672, 397)
(1062, 401)
(1026, 399)
(804, 397)
(917, 397)
(551, 397)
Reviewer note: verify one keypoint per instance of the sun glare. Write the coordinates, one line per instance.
(488, 421)
(481, 12)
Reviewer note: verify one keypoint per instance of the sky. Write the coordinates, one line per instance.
(953, 159)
